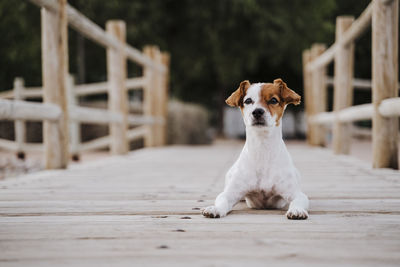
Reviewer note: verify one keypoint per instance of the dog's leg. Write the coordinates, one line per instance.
(298, 207)
(223, 204)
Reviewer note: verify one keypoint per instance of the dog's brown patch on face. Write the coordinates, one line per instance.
(268, 92)
(283, 95)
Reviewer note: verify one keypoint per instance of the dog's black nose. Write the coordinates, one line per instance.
(258, 112)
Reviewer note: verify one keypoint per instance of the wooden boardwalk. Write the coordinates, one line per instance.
(142, 209)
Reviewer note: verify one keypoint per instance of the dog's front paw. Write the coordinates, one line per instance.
(211, 212)
(297, 214)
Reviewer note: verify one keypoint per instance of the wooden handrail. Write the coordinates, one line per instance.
(354, 113)
(360, 84)
(94, 32)
(385, 106)
(61, 112)
(388, 108)
(21, 110)
(79, 89)
(358, 27)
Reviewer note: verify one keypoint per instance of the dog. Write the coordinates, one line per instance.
(264, 174)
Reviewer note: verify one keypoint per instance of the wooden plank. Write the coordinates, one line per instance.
(385, 67)
(55, 69)
(118, 95)
(74, 216)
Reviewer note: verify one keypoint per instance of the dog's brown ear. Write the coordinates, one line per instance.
(236, 98)
(288, 95)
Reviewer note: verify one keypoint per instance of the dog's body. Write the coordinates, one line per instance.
(264, 174)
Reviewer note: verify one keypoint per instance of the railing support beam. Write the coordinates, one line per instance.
(55, 68)
(343, 87)
(118, 95)
(384, 82)
(318, 96)
(19, 125)
(306, 57)
(149, 97)
(74, 126)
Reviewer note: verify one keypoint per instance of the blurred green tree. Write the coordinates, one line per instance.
(213, 44)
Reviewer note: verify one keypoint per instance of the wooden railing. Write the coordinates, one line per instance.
(385, 107)
(60, 109)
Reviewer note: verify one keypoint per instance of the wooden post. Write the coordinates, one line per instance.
(158, 98)
(384, 81)
(165, 60)
(19, 125)
(319, 96)
(74, 127)
(343, 86)
(118, 95)
(148, 97)
(307, 90)
(55, 67)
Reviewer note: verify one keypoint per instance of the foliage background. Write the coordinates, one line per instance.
(213, 44)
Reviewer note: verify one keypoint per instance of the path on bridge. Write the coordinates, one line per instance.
(143, 209)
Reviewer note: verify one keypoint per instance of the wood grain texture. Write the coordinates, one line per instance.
(385, 67)
(149, 94)
(127, 211)
(343, 88)
(319, 96)
(118, 95)
(55, 69)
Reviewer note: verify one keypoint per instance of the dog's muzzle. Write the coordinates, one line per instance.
(258, 117)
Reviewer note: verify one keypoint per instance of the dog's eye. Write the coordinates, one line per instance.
(248, 101)
(273, 101)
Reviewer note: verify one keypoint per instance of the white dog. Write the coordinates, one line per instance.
(264, 174)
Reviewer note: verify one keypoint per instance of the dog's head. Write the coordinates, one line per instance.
(263, 104)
